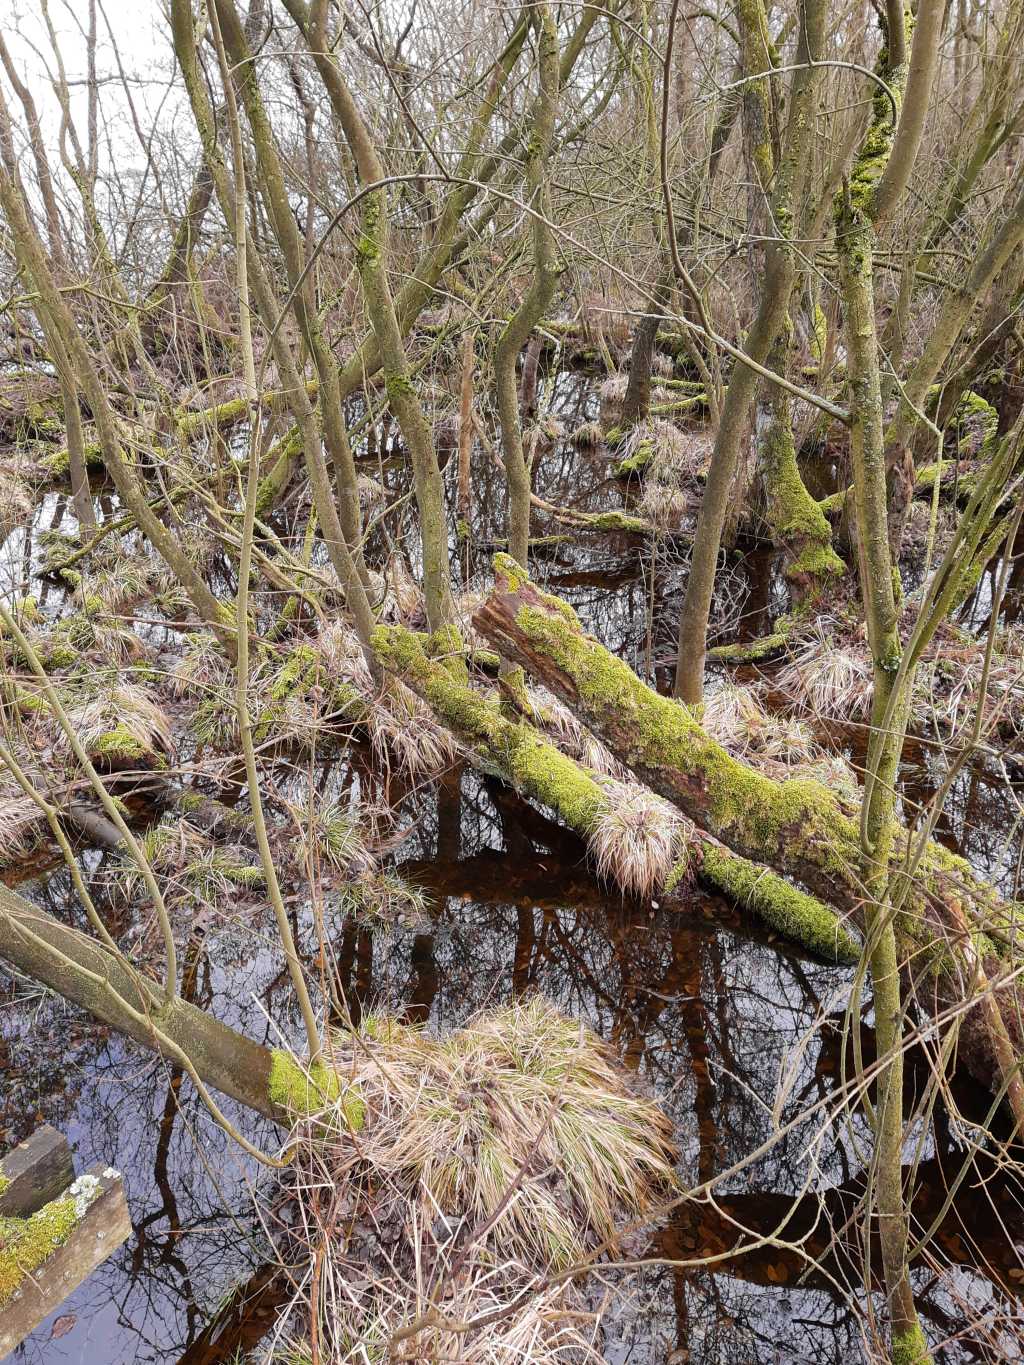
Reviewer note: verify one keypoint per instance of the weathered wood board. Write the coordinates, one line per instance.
(34, 1172)
(100, 1230)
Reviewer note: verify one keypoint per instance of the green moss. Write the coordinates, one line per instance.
(731, 800)
(118, 743)
(784, 908)
(797, 520)
(635, 463)
(25, 1243)
(398, 386)
(5, 1184)
(618, 521)
(59, 463)
(298, 1091)
(910, 1347)
(750, 651)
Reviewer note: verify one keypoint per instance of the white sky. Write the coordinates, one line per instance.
(142, 33)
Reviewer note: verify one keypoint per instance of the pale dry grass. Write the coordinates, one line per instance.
(588, 436)
(638, 841)
(453, 1121)
(401, 728)
(829, 679)
(778, 745)
(123, 708)
(22, 825)
(16, 504)
(484, 1160)
(570, 734)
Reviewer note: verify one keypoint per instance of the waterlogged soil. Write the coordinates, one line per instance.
(735, 1033)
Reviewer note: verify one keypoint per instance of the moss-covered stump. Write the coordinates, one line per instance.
(520, 755)
(953, 929)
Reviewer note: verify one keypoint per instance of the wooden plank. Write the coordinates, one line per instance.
(100, 1231)
(36, 1171)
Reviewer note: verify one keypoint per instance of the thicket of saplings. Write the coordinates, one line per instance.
(281, 354)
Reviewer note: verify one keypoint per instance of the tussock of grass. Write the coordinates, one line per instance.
(523, 1088)
(639, 839)
(487, 1159)
(777, 744)
(191, 868)
(16, 504)
(402, 729)
(21, 828)
(611, 393)
(587, 437)
(571, 735)
(128, 713)
(830, 680)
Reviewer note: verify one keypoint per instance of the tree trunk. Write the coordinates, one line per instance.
(795, 827)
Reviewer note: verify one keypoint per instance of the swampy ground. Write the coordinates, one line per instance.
(730, 1028)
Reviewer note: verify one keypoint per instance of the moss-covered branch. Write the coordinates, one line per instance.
(521, 756)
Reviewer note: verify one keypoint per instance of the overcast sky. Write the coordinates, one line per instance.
(140, 30)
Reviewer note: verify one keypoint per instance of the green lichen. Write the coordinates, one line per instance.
(299, 1091)
(25, 1243)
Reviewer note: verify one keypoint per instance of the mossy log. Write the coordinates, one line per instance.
(84, 972)
(517, 753)
(953, 930)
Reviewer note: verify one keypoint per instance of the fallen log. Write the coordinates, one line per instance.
(84, 972)
(520, 755)
(955, 934)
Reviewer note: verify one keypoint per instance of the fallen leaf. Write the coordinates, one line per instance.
(63, 1325)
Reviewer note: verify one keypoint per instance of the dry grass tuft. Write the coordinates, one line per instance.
(662, 505)
(587, 437)
(830, 680)
(401, 727)
(570, 734)
(22, 825)
(127, 712)
(639, 840)
(611, 393)
(783, 747)
(483, 1161)
(670, 458)
(193, 871)
(523, 1116)
(16, 504)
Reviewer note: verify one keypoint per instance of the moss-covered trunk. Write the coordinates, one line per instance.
(795, 827)
(521, 756)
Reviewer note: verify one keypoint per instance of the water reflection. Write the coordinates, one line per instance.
(703, 1009)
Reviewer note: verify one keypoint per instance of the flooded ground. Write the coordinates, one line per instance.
(735, 1033)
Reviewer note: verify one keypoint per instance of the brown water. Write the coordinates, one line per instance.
(702, 1006)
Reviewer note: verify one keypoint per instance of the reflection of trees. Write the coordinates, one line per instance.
(702, 1013)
